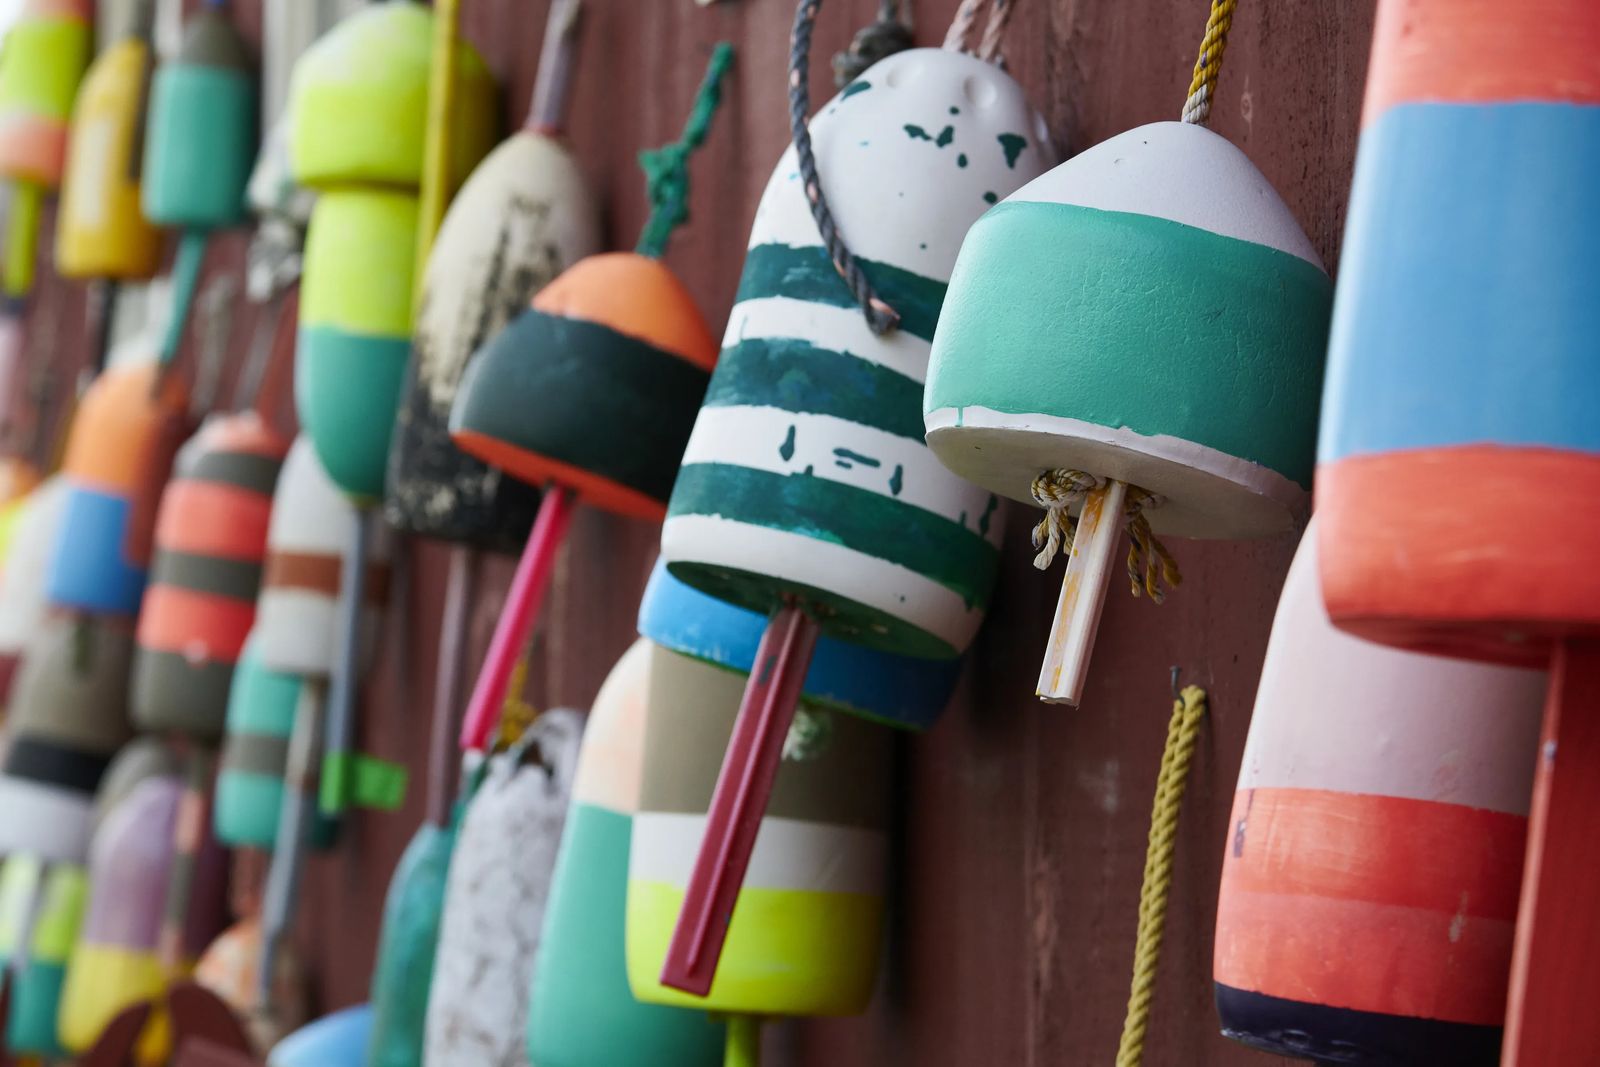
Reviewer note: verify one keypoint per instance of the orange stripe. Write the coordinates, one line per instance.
(212, 519)
(315, 572)
(33, 147)
(1480, 51)
(118, 428)
(1379, 904)
(633, 295)
(535, 469)
(1411, 560)
(175, 620)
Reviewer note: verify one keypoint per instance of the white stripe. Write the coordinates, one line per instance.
(896, 591)
(44, 820)
(835, 328)
(753, 436)
(789, 854)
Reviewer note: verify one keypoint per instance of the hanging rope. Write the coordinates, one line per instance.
(1208, 65)
(878, 40)
(959, 36)
(666, 169)
(1151, 567)
(1183, 730)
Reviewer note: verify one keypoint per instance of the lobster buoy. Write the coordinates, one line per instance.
(495, 898)
(37, 983)
(210, 541)
(337, 1040)
(124, 436)
(1334, 943)
(581, 1012)
(69, 717)
(357, 112)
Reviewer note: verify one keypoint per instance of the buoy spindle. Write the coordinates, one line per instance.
(1083, 595)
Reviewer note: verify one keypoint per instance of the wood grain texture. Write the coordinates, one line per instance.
(1022, 828)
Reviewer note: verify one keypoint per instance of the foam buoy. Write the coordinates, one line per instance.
(524, 216)
(337, 1040)
(141, 758)
(499, 884)
(69, 716)
(23, 603)
(806, 491)
(357, 111)
(581, 1012)
(210, 541)
(124, 436)
(1333, 942)
(199, 145)
(37, 983)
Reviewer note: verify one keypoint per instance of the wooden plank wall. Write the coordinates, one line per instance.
(1023, 826)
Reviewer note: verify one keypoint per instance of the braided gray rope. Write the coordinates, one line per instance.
(879, 40)
(881, 318)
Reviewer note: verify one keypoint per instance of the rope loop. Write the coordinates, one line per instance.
(1183, 732)
(1208, 65)
(666, 169)
(962, 28)
(881, 318)
(875, 41)
(1152, 569)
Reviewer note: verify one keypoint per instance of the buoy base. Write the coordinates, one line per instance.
(1328, 1035)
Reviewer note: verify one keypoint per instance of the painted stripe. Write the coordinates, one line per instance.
(360, 253)
(261, 701)
(795, 376)
(194, 625)
(806, 273)
(44, 820)
(1322, 899)
(262, 754)
(88, 569)
(1116, 331)
(66, 893)
(846, 453)
(314, 572)
(868, 523)
(1300, 1031)
(183, 691)
(211, 519)
(1405, 561)
(59, 765)
(844, 329)
(1471, 235)
(1132, 173)
(789, 854)
(943, 621)
(1477, 50)
(255, 470)
(350, 425)
(635, 296)
(211, 575)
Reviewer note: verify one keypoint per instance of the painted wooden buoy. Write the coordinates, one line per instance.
(899, 691)
(116, 963)
(141, 758)
(1334, 943)
(210, 541)
(48, 49)
(499, 884)
(23, 602)
(806, 490)
(199, 145)
(808, 920)
(124, 436)
(37, 983)
(101, 231)
(358, 107)
(68, 717)
(524, 216)
(307, 537)
(581, 1012)
(615, 341)
(337, 1040)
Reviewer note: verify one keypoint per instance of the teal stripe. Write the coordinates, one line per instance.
(879, 526)
(347, 389)
(797, 376)
(808, 274)
(1125, 320)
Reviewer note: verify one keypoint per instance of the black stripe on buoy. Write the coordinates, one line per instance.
(58, 765)
(1328, 1035)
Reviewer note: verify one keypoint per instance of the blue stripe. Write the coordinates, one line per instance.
(899, 690)
(90, 570)
(1467, 308)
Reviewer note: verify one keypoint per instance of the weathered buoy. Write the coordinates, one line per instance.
(124, 436)
(499, 884)
(615, 341)
(210, 541)
(808, 919)
(806, 491)
(48, 50)
(37, 981)
(1334, 943)
(116, 962)
(101, 231)
(23, 603)
(69, 716)
(581, 1012)
(524, 216)
(357, 111)
(199, 145)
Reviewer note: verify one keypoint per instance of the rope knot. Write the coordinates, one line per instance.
(880, 40)
(1151, 567)
(666, 169)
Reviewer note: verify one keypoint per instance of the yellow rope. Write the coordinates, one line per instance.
(435, 196)
(1208, 65)
(1182, 732)
(1150, 564)
(516, 714)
